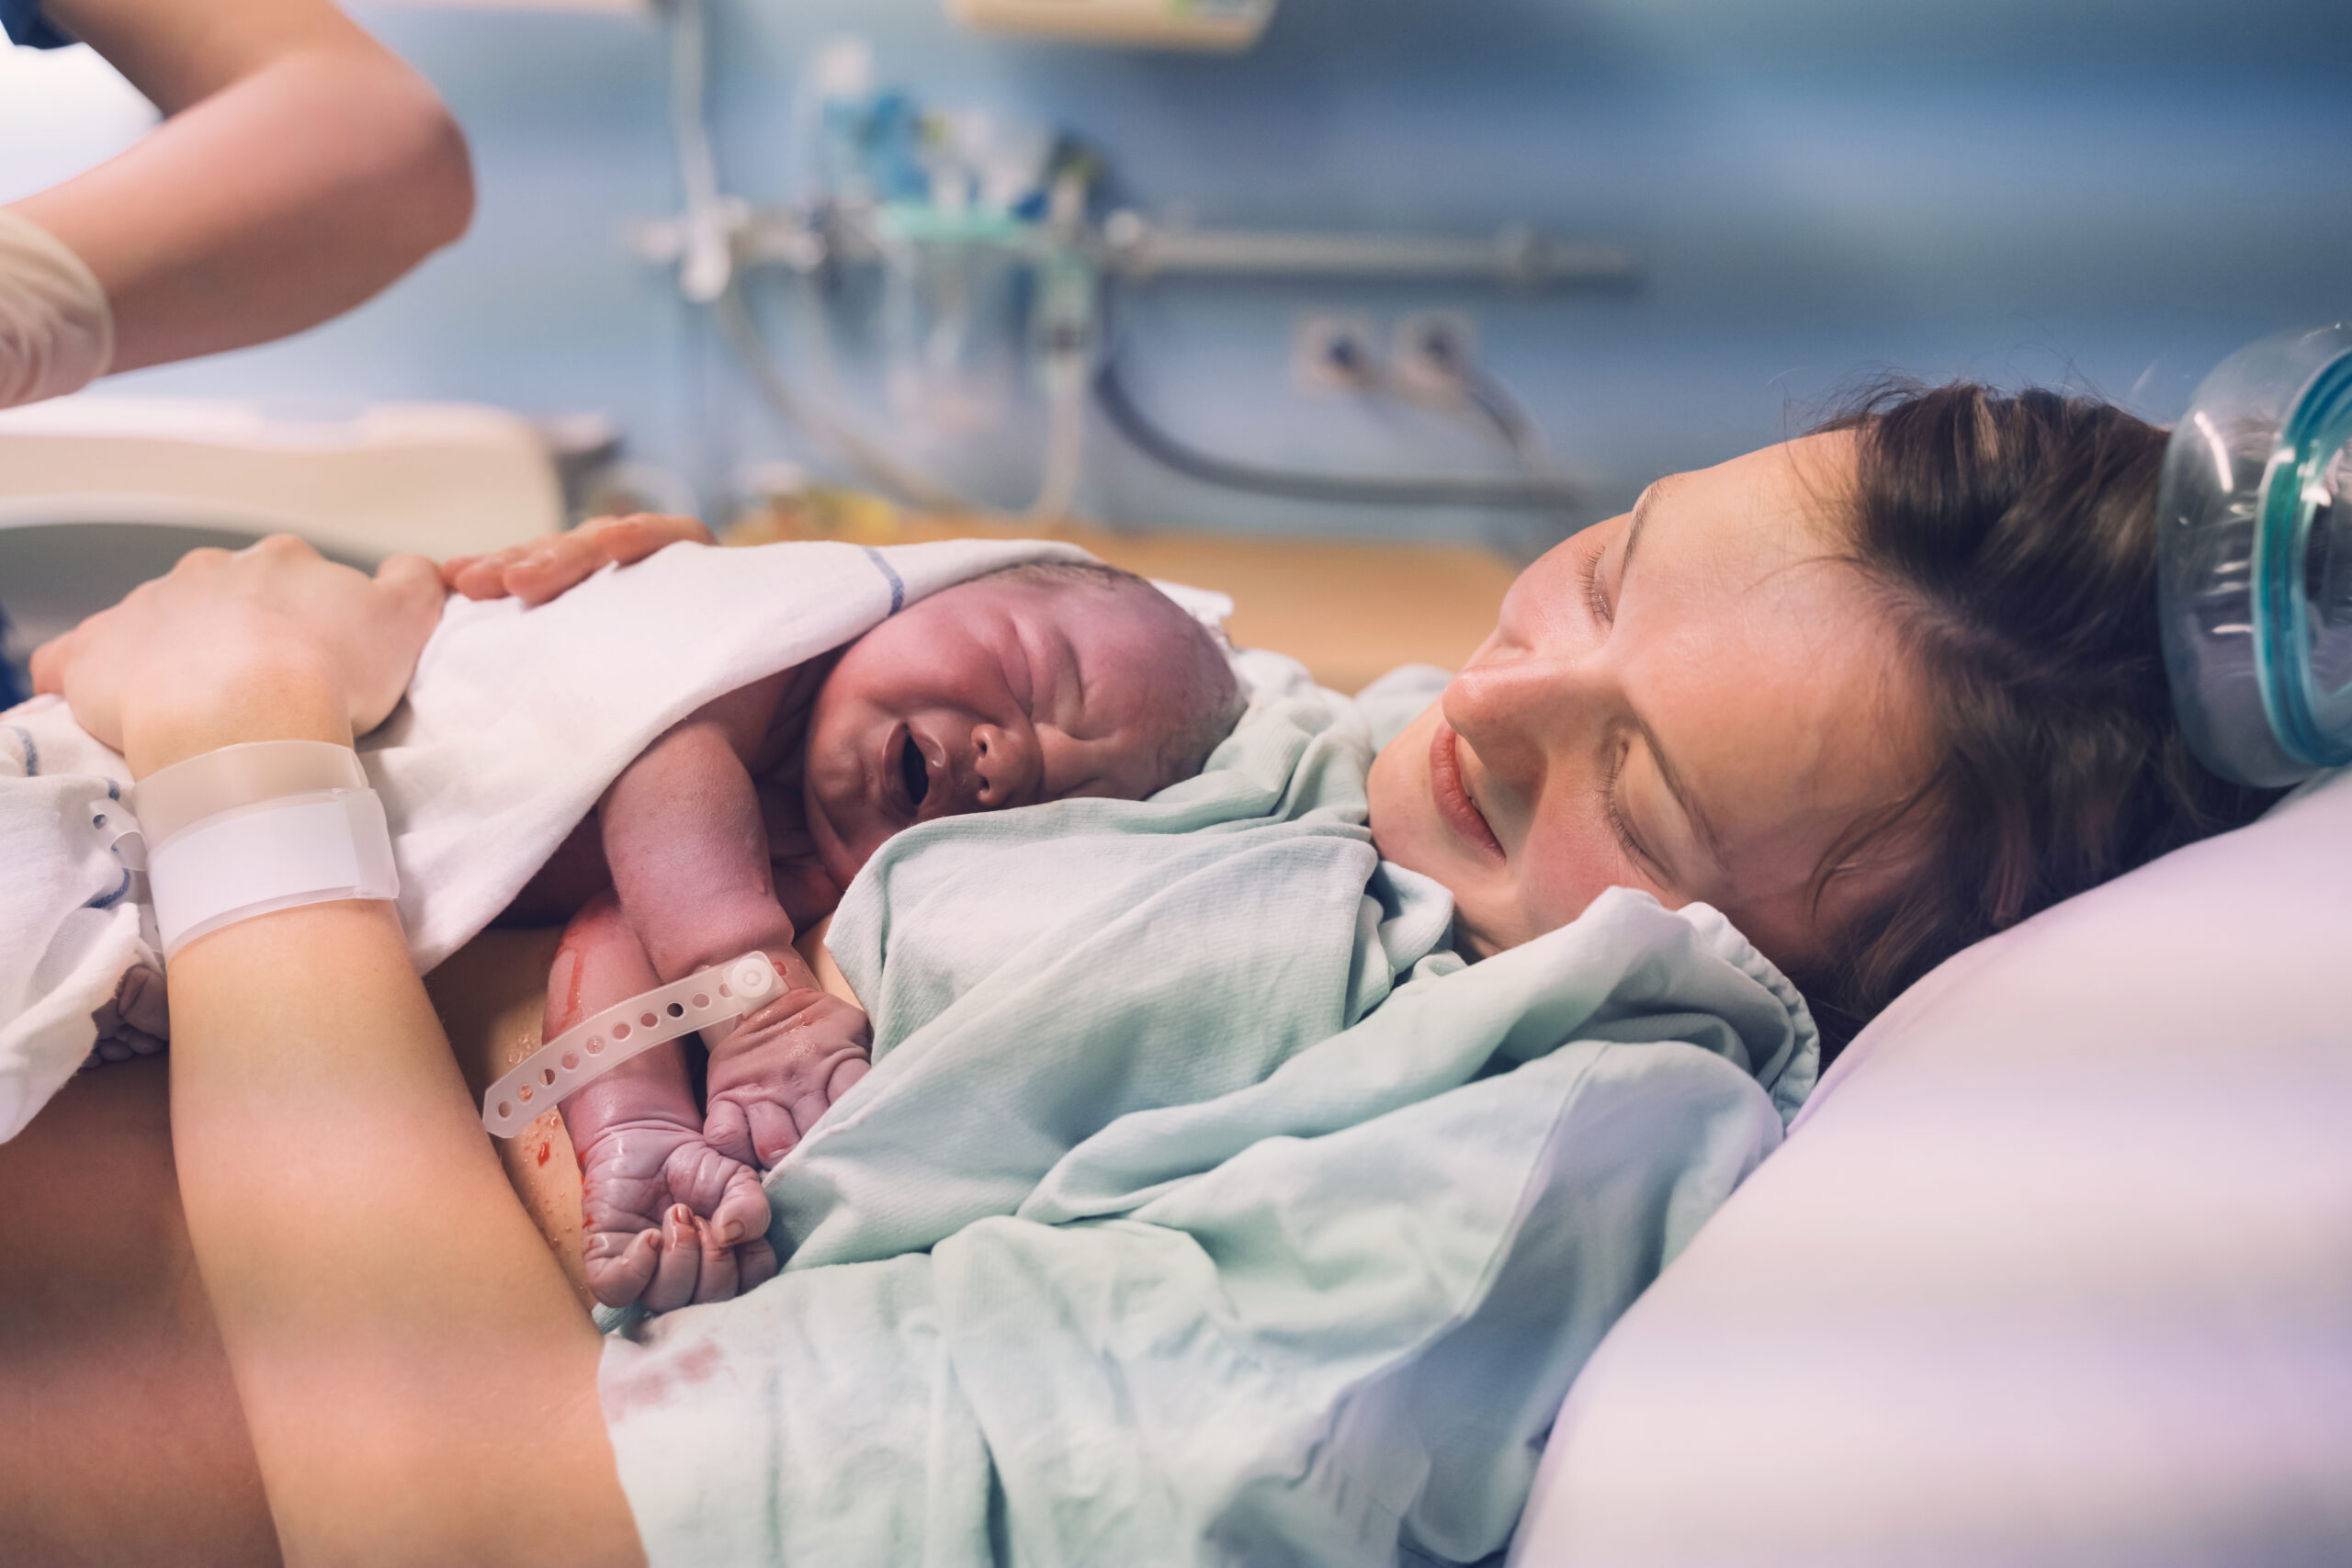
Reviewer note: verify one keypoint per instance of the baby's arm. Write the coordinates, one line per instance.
(683, 839)
(664, 1218)
(689, 854)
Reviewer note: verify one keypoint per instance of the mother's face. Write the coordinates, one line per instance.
(1696, 699)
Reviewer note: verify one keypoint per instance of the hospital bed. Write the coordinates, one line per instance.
(99, 494)
(2056, 1267)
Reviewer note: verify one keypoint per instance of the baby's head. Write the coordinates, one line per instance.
(1036, 683)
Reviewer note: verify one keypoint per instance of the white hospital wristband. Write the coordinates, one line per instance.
(56, 327)
(253, 829)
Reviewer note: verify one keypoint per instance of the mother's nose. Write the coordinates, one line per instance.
(1515, 711)
(1004, 768)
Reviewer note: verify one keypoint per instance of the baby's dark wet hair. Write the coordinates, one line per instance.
(1202, 689)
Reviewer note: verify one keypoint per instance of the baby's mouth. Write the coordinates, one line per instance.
(915, 772)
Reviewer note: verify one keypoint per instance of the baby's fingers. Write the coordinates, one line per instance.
(754, 1266)
(716, 1281)
(751, 1127)
(772, 1133)
(845, 1075)
(833, 1079)
(675, 1274)
(726, 1129)
(729, 1192)
(742, 1211)
(620, 1268)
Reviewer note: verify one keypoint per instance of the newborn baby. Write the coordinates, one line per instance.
(743, 823)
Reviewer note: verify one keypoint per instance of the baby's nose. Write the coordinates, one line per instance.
(1004, 769)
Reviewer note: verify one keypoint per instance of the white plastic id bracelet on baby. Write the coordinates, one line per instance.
(715, 995)
(249, 829)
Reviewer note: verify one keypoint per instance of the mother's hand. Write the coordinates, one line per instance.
(272, 642)
(542, 569)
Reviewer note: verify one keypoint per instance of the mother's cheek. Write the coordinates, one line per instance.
(1398, 794)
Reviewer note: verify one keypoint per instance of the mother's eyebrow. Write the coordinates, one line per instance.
(1641, 507)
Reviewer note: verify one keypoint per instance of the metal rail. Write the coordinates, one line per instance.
(1134, 249)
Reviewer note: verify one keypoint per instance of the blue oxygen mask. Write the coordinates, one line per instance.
(2253, 555)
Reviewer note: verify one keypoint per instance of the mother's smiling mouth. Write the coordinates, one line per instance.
(1454, 802)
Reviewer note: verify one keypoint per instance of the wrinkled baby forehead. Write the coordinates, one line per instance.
(1073, 591)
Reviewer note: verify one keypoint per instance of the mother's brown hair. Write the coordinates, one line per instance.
(2013, 537)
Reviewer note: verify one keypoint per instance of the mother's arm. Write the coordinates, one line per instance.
(389, 1315)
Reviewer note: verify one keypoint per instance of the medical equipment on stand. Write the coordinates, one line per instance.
(936, 201)
(2254, 530)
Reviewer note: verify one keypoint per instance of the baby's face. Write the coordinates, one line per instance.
(994, 693)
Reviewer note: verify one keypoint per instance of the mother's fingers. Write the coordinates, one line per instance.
(640, 534)
(48, 664)
(534, 573)
(555, 565)
(271, 640)
(415, 581)
(544, 569)
(483, 576)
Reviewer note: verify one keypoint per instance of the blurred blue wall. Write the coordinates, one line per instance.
(2113, 193)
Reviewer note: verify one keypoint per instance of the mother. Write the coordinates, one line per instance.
(1873, 692)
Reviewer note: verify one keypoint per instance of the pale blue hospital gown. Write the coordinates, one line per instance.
(1202, 1206)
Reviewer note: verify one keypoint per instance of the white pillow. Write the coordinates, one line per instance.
(2055, 1269)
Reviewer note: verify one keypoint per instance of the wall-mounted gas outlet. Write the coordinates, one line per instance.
(1332, 354)
(1431, 357)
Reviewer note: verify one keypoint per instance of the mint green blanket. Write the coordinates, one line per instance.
(1201, 1207)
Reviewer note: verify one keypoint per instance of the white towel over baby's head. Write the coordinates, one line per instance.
(518, 718)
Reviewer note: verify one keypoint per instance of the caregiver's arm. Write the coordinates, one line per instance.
(418, 1378)
(302, 167)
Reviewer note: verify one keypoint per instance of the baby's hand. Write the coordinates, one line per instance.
(646, 1186)
(780, 1071)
